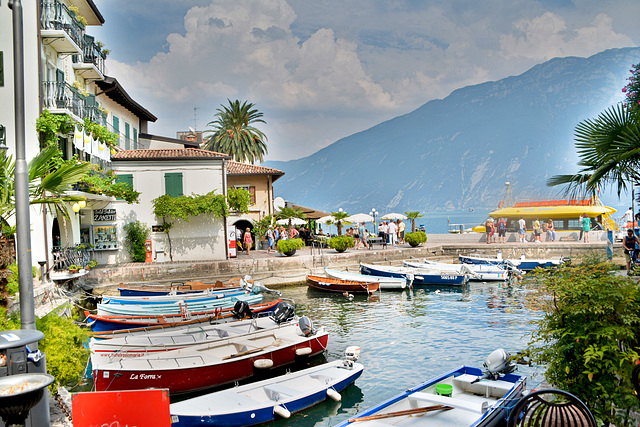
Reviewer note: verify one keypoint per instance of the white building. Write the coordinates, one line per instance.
(176, 172)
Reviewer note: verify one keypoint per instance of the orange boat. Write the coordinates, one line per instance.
(338, 285)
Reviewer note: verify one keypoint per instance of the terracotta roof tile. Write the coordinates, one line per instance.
(167, 154)
(237, 168)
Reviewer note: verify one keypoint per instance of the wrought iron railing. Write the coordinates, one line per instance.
(63, 257)
(61, 95)
(55, 15)
(91, 54)
(96, 115)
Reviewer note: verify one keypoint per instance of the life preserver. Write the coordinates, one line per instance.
(501, 204)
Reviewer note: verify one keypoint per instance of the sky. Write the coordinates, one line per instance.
(321, 70)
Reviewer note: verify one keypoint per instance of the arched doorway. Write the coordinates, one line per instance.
(241, 226)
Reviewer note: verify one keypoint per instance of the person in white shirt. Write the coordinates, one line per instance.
(522, 230)
(393, 233)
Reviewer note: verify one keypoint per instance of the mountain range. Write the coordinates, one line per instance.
(457, 153)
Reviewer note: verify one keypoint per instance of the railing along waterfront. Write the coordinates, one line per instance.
(63, 257)
(55, 15)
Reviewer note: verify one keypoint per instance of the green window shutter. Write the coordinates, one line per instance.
(135, 138)
(173, 184)
(127, 135)
(127, 178)
(116, 127)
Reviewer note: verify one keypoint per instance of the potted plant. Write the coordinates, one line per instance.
(341, 243)
(73, 268)
(288, 247)
(416, 238)
(93, 263)
(260, 229)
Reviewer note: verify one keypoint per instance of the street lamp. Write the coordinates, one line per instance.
(373, 213)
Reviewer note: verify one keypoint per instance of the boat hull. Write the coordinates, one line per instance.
(469, 413)
(191, 370)
(136, 323)
(477, 272)
(338, 285)
(419, 277)
(386, 283)
(180, 288)
(212, 410)
(525, 265)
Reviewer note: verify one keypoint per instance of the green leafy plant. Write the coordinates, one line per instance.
(588, 338)
(62, 343)
(100, 181)
(261, 226)
(341, 243)
(339, 220)
(50, 125)
(12, 281)
(238, 199)
(92, 264)
(413, 216)
(416, 238)
(136, 233)
(290, 245)
(290, 213)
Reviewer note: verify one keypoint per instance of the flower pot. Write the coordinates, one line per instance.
(341, 250)
(414, 244)
(289, 253)
(73, 270)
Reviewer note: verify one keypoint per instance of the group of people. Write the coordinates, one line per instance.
(244, 240)
(360, 236)
(538, 229)
(392, 232)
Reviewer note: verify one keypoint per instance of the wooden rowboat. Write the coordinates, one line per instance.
(149, 289)
(110, 326)
(210, 365)
(339, 285)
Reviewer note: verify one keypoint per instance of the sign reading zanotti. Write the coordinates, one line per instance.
(104, 215)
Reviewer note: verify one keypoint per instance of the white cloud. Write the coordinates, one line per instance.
(547, 36)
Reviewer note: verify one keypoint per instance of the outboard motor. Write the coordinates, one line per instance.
(283, 313)
(306, 326)
(351, 355)
(497, 363)
(566, 260)
(241, 310)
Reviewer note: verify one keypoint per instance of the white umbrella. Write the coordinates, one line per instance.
(294, 221)
(326, 219)
(394, 216)
(361, 217)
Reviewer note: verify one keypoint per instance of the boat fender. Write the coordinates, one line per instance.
(263, 364)
(501, 204)
(282, 411)
(334, 395)
(303, 351)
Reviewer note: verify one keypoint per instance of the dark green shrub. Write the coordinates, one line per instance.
(341, 243)
(416, 238)
(588, 339)
(289, 245)
(136, 234)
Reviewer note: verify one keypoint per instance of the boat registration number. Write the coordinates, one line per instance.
(448, 277)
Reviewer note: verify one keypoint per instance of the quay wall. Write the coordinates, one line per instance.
(275, 269)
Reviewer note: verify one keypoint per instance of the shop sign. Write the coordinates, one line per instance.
(104, 215)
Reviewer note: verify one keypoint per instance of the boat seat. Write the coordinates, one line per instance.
(485, 387)
(480, 408)
(279, 391)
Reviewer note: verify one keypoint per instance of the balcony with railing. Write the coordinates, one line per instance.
(61, 97)
(90, 65)
(60, 28)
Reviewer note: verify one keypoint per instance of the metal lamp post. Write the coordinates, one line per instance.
(373, 213)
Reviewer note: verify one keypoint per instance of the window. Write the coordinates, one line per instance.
(252, 192)
(116, 127)
(127, 135)
(127, 178)
(135, 138)
(173, 184)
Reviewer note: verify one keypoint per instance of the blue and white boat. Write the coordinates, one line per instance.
(521, 263)
(198, 296)
(386, 283)
(462, 397)
(476, 272)
(179, 307)
(271, 399)
(419, 276)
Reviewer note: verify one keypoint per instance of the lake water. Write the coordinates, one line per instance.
(408, 337)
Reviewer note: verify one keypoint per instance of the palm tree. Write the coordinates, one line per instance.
(339, 220)
(233, 132)
(609, 151)
(48, 181)
(290, 213)
(413, 216)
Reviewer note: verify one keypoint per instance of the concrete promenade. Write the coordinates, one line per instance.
(277, 269)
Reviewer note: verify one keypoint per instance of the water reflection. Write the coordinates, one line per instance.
(409, 336)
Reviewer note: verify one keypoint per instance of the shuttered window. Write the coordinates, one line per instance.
(116, 128)
(127, 178)
(127, 136)
(252, 192)
(173, 184)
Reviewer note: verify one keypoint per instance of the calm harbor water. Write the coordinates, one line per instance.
(408, 337)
